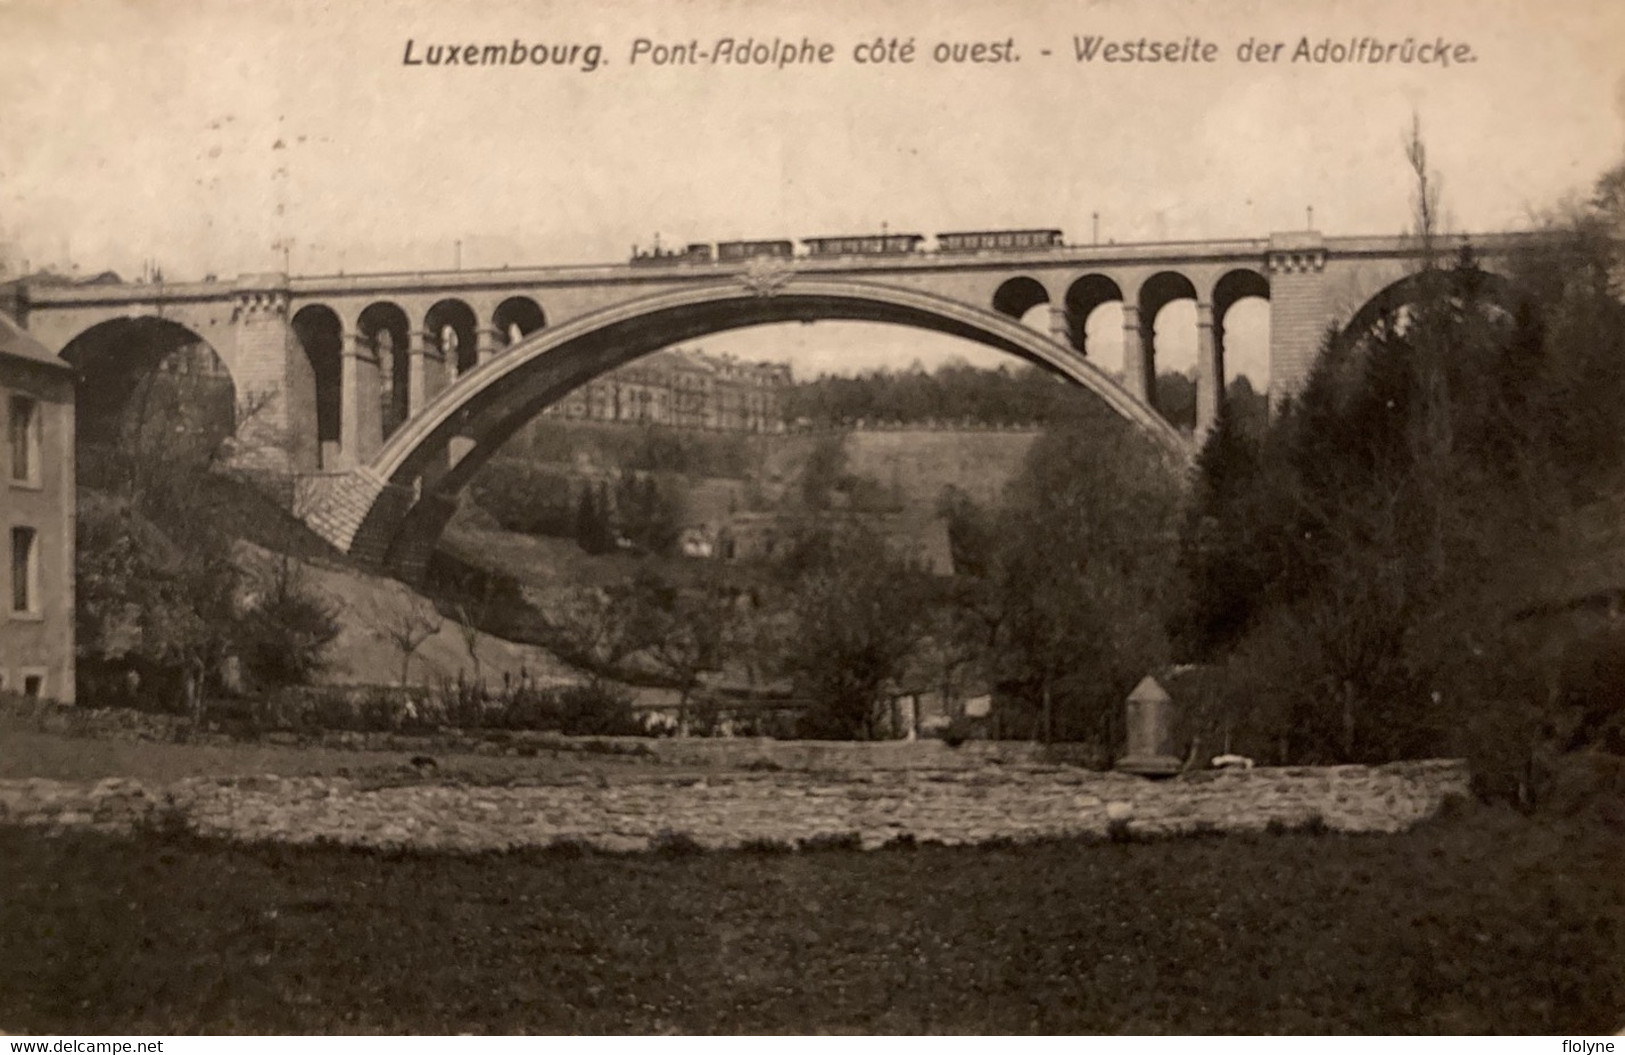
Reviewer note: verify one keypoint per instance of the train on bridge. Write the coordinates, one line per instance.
(885, 243)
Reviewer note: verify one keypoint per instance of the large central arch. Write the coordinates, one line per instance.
(394, 508)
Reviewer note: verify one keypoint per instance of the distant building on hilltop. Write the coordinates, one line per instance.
(36, 518)
(684, 388)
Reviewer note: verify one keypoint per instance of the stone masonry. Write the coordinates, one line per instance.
(954, 806)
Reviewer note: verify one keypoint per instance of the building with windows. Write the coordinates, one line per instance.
(684, 388)
(36, 517)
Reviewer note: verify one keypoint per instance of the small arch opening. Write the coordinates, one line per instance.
(517, 318)
(1018, 296)
(451, 327)
(384, 328)
(318, 386)
(1167, 303)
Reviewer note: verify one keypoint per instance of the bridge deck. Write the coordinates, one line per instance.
(1239, 250)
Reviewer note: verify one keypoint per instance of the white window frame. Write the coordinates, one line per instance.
(31, 569)
(33, 440)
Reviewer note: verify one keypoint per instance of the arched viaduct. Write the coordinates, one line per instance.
(383, 393)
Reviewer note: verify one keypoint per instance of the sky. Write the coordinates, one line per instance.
(225, 138)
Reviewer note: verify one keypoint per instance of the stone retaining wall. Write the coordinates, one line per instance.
(952, 806)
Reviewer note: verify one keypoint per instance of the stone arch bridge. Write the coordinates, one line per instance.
(382, 394)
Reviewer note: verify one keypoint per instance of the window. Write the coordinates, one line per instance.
(33, 686)
(24, 570)
(23, 431)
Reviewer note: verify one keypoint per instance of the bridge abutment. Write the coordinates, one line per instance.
(1298, 309)
(356, 510)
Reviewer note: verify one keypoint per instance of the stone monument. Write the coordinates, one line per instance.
(1149, 716)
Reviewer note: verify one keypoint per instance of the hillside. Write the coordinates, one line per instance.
(732, 482)
(917, 464)
(728, 473)
(365, 605)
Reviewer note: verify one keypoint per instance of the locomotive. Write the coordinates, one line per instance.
(693, 253)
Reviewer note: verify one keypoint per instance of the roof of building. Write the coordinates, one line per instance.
(17, 343)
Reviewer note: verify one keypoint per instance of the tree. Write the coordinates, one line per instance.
(525, 497)
(593, 531)
(1425, 200)
(1386, 523)
(686, 633)
(473, 609)
(649, 511)
(971, 531)
(859, 615)
(1083, 576)
(285, 630)
(146, 604)
(406, 624)
(824, 470)
(1176, 399)
(161, 592)
(596, 628)
(1219, 557)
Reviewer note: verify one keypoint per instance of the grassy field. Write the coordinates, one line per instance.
(26, 752)
(1483, 922)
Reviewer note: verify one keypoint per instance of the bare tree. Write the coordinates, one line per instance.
(594, 629)
(1425, 204)
(406, 627)
(471, 613)
(688, 635)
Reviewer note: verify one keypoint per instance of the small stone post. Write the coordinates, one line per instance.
(1150, 731)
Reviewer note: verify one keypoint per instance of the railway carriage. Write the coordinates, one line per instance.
(728, 251)
(996, 241)
(864, 245)
(882, 244)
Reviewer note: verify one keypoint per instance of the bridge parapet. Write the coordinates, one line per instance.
(1106, 255)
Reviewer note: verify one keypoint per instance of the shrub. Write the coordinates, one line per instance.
(830, 841)
(958, 731)
(286, 630)
(525, 497)
(760, 845)
(675, 844)
(568, 846)
(167, 822)
(1314, 824)
(1529, 727)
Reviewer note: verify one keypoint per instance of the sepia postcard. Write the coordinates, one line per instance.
(754, 517)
